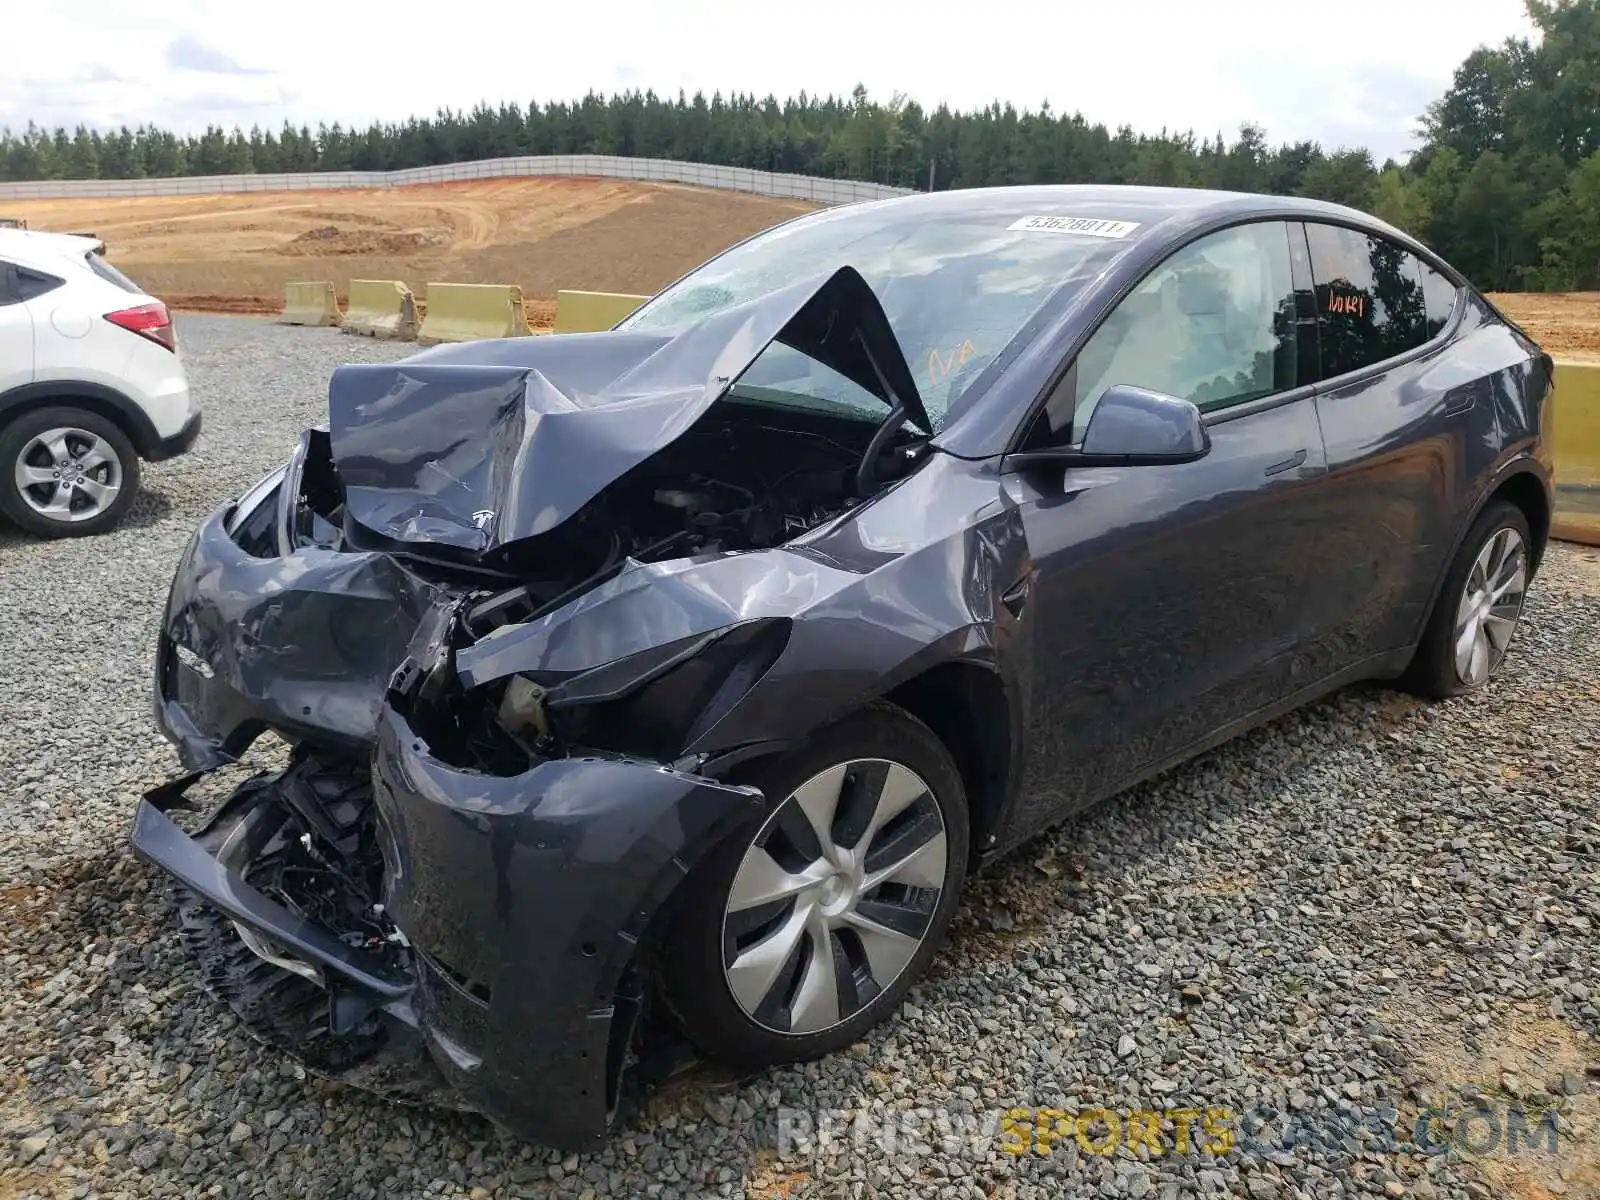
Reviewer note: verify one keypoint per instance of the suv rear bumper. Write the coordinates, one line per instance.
(162, 449)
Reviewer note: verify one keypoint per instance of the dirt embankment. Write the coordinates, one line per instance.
(1566, 324)
(234, 253)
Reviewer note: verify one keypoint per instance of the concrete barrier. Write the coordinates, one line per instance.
(381, 308)
(592, 312)
(1575, 446)
(310, 303)
(466, 312)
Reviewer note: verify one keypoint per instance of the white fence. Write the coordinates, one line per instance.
(739, 179)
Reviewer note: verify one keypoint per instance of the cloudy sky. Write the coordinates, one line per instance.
(1344, 72)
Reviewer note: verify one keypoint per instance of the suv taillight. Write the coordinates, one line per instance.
(147, 320)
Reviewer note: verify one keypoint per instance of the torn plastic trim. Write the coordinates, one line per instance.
(472, 453)
(289, 495)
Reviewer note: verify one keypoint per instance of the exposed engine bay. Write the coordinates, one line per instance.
(747, 477)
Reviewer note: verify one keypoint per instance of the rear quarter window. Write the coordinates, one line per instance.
(1438, 299)
(28, 284)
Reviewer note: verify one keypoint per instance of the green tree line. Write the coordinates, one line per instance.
(1505, 184)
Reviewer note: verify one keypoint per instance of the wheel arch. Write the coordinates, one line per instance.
(1527, 492)
(1519, 482)
(967, 707)
(102, 401)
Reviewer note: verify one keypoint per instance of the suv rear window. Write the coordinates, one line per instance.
(110, 274)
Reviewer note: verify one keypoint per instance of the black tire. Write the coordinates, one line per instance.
(692, 980)
(1432, 673)
(278, 1007)
(15, 437)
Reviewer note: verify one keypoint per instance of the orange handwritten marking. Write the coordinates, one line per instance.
(939, 367)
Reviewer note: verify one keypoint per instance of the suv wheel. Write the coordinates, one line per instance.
(65, 472)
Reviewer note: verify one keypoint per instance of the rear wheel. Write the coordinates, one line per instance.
(796, 937)
(1478, 609)
(66, 472)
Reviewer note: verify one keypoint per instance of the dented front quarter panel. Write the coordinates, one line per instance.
(909, 580)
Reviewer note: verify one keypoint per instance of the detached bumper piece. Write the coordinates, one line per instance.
(159, 841)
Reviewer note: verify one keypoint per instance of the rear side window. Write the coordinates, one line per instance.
(1369, 293)
(110, 274)
(29, 283)
(1438, 298)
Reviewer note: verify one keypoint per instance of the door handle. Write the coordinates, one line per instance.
(1288, 464)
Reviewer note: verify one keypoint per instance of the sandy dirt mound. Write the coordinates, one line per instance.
(1566, 324)
(330, 241)
(235, 253)
(541, 234)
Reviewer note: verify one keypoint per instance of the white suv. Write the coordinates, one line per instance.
(90, 382)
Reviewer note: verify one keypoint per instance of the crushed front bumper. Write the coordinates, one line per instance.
(302, 644)
(524, 900)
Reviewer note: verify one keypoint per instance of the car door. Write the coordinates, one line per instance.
(1395, 410)
(1164, 601)
(16, 333)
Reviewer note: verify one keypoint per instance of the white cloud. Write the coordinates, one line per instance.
(1356, 72)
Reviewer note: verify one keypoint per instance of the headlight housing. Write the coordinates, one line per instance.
(254, 496)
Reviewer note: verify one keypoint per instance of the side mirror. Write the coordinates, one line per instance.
(1133, 426)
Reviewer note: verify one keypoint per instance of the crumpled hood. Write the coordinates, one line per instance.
(479, 445)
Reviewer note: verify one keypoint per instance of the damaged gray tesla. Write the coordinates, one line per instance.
(658, 688)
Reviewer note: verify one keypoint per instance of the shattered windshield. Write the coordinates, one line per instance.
(957, 287)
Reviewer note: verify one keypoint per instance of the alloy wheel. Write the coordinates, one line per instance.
(1490, 606)
(68, 474)
(834, 897)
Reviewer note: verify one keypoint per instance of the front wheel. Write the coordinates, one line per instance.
(798, 936)
(1478, 608)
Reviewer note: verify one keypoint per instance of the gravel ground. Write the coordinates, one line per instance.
(1365, 909)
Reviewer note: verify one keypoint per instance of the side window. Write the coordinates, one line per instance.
(7, 293)
(30, 283)
(1214, 324)
(1438, 298)
(1369, 298)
